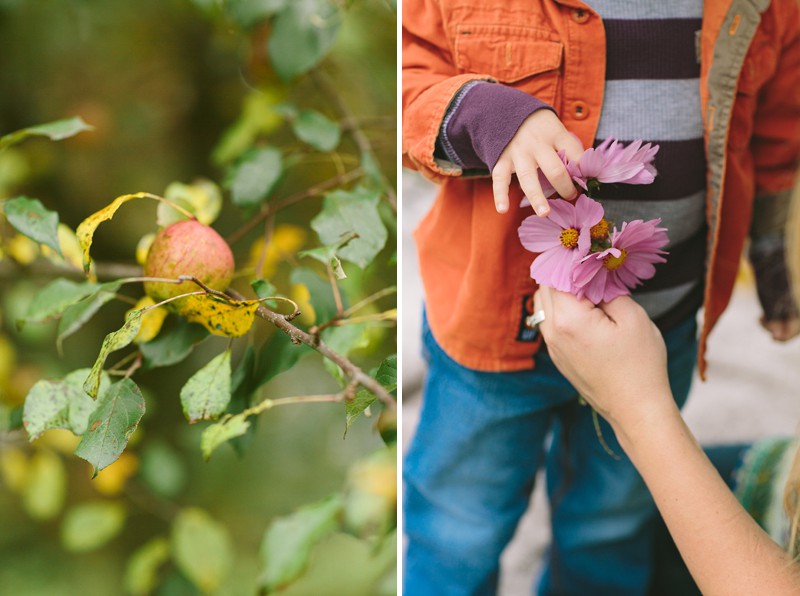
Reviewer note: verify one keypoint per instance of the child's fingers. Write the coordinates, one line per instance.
(528, 176)
(501, 180)
(556, 172)
(571, 145)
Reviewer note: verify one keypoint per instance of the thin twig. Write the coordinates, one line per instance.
(369, 300)
(122, 362)
(275, 206)
(268, 404)
(137, 364)
(337, 296)
(299, 336)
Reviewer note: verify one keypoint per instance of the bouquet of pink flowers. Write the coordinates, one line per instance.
(579, 250)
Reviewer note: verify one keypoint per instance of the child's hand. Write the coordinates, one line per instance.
(536, 146)
(783, 330)
(613, 355)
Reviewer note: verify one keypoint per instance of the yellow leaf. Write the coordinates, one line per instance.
(152, 320)
(22, 249)
(286, 241)
(229, 319)
(302, 296)
(8, 360)
(143, 247)
(14, 466)
(70, 247)
(60, 440)
(111, 480)
(87, 227)
(46, 486)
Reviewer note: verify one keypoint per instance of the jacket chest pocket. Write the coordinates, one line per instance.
(523, 57)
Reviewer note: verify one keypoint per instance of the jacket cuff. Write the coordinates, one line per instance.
(768, 256)
(481, 121)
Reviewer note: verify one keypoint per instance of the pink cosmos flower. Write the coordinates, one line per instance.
(609, 162)
(613, 162)
(602, 276)
(562, 239)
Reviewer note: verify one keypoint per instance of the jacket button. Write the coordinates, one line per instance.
(579, 15)
(580, 110)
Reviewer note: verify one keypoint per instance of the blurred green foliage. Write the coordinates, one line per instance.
(176, 91)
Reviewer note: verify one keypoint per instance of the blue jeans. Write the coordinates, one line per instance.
(470, 469)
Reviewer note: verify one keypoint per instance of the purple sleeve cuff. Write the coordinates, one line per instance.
(481, 120)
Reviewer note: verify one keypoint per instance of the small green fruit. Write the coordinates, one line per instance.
(187, 248)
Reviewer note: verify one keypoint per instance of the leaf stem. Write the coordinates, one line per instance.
(337, 296)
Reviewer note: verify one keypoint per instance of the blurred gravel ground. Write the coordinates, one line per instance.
(752, 391)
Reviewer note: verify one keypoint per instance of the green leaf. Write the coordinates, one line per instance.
(173, 345)
(30, 218)
(258, 118)
(344, 339)
(288, 541)
(162, 469)
(387, 373)
(221, 432)
(116, 340)
(59, 404)
(208, 392)
(372, 171)
(89, 526)
(327, 255)
(46, 487)
(264, 288)
(55, 298)
(119, 410)
(302, 34)
(141, 572)
(255, 176)
(202, 198)
(56, 131)
(316, 129)
(242, 381)
(248, 13)
(348, 212)
(277, 355)
(79, 313)
(386, 376)
(321, 293)
(202, 548)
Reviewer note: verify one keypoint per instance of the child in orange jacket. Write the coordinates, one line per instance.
(492, 89)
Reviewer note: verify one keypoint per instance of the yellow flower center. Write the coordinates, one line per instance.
(569, 238)
(611, 262)
(600, 230)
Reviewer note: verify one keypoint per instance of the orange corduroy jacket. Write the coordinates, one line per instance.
(475, 272)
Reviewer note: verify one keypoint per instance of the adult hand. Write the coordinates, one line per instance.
(613, 355)
(536, 146)
(783, 330)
